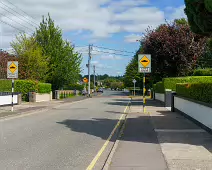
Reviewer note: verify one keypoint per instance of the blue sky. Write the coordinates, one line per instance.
(122, 40)
(114, 24)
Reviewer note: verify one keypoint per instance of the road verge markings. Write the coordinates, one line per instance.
(19, 115)
(96, 158)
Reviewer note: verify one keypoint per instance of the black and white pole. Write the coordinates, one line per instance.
(144, 91)
(12, 94)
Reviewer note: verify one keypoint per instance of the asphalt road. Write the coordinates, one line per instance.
(67, 137)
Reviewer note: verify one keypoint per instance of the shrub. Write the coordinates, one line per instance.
(5, 85)
(203, 72)
(159, 88)
(170, 83)
(25, 86)
(74, 86)
(197, 91)
(44, 88)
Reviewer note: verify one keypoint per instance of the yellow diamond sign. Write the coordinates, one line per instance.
(145, 61)
(12, 67)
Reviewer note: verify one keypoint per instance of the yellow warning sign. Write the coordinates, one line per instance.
(145, 61)
(85, 80)
(13, 67)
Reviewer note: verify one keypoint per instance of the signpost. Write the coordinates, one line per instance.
(12, 73)
(144, 66)
(134, 81)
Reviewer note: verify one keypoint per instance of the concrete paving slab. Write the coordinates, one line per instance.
(138, 147)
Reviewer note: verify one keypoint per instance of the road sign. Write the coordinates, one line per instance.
(144, 63)
(134, 81)
(85, 80)
(12, 69)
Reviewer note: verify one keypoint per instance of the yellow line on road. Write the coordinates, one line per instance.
(92, 164)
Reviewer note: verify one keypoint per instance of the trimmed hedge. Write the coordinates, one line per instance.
(44, 88)
(5, 85)
(24, 87)
(74, 86)
(203, 72)
(159, 88)
(197, 91)
(170, 83)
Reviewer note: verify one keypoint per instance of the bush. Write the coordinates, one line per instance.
(5, 85)
(203, 72)
(197, 91)
(170, 83)
(44, 88)
(159, 88)
(25, 86)
(74, 86)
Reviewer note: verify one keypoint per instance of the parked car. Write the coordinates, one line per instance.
(100, 90)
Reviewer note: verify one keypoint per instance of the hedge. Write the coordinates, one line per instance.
(44, 88)
(203, 72)
(159, 88)
(5, 85)
(197, 91)
(74, 86)
(170, 83)
(24, 86)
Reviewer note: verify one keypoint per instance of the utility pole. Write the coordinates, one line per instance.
(94, 75)
(89, 64)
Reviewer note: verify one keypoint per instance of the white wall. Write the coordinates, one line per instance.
(160, 96)
(43, 97)
(197, 111)
(5, 100)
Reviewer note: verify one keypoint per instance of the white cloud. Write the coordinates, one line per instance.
(132, 38)
(110, 57)
(100, 17)
(176, 13)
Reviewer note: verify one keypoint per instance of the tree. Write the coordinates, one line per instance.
(32, 63)
(174, 50)
(63, 62)
(132, 71)
(199, 13)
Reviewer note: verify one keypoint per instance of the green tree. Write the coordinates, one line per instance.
(199, 13)
(32, 63)
(63, 62)
(132, 71)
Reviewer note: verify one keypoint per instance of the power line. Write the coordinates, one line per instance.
(14, 27)
(26, 19)
(114, 49)
(21, 11)
(16, 21)
(112, 53)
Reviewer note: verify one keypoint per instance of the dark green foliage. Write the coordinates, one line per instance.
(203, 72)
(159, 87)
(25, 86)
(199, 15)
(197, 91)
(170, 83)
(74, 87)
(5, 85)
(44, 88)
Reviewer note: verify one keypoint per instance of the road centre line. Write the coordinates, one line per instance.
(96, 158)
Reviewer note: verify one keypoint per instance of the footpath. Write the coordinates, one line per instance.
(160, 140)
(27, 107)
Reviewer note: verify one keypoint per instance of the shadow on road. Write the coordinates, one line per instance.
(102, 127)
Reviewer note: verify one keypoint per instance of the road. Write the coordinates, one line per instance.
(67, 137)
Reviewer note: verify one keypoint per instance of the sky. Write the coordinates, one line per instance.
(111, 26)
